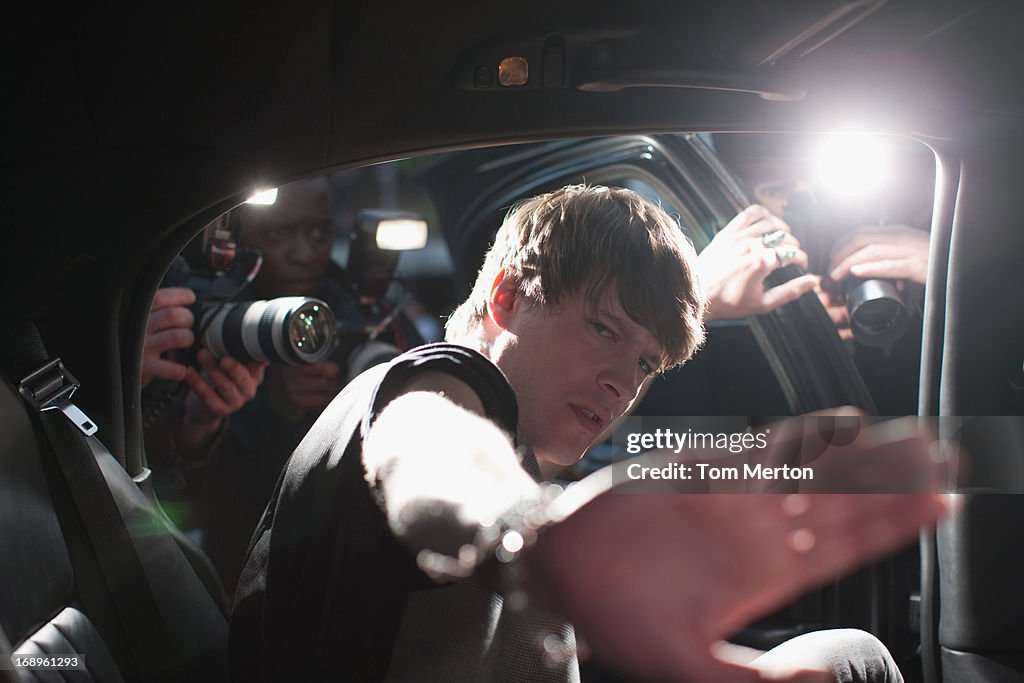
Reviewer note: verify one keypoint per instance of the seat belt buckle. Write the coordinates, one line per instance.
(50, 387)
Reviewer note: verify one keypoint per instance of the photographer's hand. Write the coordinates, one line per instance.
(169, 328)
(898, 252)
(221, 389)
(734, 266)
(835, 305)
(303, 388)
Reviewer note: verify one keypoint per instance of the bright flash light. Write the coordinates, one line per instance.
(401, 234)
(264, 197)
(852, 163)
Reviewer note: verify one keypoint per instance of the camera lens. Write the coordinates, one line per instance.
(311, 329)
(296, 330)
(878, 316)
(874, 317)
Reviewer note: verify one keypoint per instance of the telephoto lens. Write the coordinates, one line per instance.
(297, 330)
(878, 316)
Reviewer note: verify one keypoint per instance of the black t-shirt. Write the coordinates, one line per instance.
(325, 582)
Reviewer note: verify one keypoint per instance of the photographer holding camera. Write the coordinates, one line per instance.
(869, 263)
(895, 252)
(225, 469)
(295, 235)
(217, 388)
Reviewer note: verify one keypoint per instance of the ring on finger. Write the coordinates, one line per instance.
(784, 254)
(773, 238)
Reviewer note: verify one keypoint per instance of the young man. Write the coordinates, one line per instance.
(414, 503)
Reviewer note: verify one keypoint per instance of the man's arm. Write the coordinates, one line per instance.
(653, 582)
(443, 469)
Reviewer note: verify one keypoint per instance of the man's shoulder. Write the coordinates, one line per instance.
(342, 426)
(462, 373)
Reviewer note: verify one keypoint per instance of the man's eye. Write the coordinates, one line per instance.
(602, 330)
(646, 367)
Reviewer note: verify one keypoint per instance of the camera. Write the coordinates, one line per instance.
(297, 330)
(373, 252)
(878, 314)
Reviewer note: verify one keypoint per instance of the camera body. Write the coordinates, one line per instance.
(373, 329)
(293, 330)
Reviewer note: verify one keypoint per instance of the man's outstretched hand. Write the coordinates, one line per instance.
(655, 582)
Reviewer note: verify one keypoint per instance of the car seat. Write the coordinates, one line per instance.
(90, 564)
(980, 560)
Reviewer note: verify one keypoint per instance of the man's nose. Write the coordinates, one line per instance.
(304, 250)
(621, 380)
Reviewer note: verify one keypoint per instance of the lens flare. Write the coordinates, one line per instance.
(852, 164)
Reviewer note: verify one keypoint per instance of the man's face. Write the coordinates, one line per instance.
(574, 369)
(295, 236)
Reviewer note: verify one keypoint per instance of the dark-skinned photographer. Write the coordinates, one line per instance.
(240, 421)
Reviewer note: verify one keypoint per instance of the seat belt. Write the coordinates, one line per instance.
(48, 390)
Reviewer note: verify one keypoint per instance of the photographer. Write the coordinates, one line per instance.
(234, 475)
(295, 235)
(865, 255)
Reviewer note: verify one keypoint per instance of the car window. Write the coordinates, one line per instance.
(344, 301)
(273, 308)
(862, 205)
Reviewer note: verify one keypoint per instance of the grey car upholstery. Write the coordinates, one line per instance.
(981, 560)
(54, 598)
(981, 635)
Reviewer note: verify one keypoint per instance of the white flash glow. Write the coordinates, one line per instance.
(264, 197)
(401, 234)
(852, 164)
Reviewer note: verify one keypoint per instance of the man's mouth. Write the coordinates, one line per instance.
(590, 420)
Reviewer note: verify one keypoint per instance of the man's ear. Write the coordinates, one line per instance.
(504, 299)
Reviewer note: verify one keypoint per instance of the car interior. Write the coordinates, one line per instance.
(133, 131)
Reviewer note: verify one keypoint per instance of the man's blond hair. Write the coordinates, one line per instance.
(586, 238)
